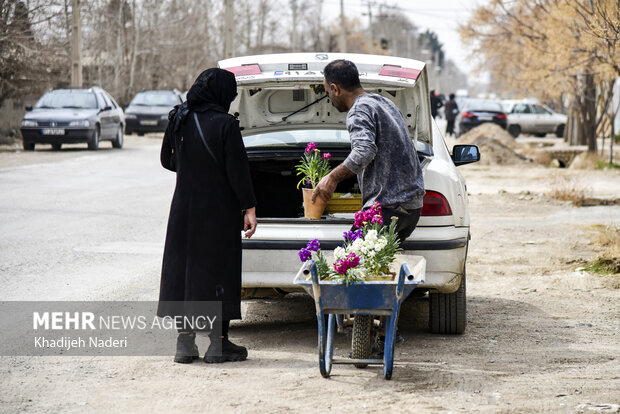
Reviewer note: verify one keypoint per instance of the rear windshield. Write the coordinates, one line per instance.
(300, 138)
(155, 98)
(483, 105)
(68, 99)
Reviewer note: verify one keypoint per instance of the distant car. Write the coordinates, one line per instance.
(475, 112)
(533, 118)
(73, 115)
(148, 110)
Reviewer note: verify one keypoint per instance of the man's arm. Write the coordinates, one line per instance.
(326, 187)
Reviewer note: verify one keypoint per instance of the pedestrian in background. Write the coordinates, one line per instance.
(212, 201)
(435, 103)
(452, 110)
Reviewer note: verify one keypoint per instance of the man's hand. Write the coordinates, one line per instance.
(249, 222)
(325, 188)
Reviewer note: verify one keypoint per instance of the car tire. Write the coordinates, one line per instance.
(118, 141)
(448, 311)
(28, 146)
(56, 147)
(514, 130)
(361, 341)
(93, 141)
(559, 131)
(540, 134)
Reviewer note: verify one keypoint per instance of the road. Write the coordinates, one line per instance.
(542, 336)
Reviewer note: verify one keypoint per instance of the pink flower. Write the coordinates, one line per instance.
(327, 156)
(311, 148)
(349, 262)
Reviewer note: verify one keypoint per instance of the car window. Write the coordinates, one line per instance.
(522, 109)
(109, 98)
(482, 105)
(540, 110)
(80, 99)
(155, 98)
(299, 138)
(106, 100)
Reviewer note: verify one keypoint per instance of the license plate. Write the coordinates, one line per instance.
(148, 122)
(485, 118)
(53, 131)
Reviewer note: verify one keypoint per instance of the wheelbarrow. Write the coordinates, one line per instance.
(364, 300)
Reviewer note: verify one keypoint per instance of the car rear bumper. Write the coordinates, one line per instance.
(465, 126)
(136, 125)
(71, 135)
(274, 263)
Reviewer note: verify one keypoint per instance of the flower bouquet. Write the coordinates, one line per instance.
(367, 253)
(313, 167)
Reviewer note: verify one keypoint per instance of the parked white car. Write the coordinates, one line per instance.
(530, 117)
(278, 118)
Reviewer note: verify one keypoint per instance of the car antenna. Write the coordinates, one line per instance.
(301, 109)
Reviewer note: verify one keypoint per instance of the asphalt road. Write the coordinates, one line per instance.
(82, 225)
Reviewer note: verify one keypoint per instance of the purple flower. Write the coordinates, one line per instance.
(305, 254)
(313, 245)
(327, 156)
(352, 236)
(351, 261)
(311, 148)
(307, 182)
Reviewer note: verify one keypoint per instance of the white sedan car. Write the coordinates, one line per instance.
(279, 114)
(530, 117)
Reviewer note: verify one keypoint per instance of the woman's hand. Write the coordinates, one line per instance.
(249, 222)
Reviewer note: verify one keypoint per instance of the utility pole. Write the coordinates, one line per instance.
(371, 29)
(294, 45)
(76, 43)
(228, 29)
(343, 36)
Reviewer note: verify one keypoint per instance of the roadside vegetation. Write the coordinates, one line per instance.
(608, 261)
(569, 189)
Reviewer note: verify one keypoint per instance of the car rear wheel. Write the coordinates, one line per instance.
(28, 146)
(361, 341)
(118, 141)
(514, 130)
(56, 147)
(93, 141)
(559, 132)
(448, 312)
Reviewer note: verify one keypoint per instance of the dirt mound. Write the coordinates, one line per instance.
(495, 144)
(491, 131)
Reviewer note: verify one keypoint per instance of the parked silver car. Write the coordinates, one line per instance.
(533, 118)
(279, 112)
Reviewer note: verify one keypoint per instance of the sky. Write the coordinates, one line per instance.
(440, 16)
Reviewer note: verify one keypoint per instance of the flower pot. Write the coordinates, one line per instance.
(312, 210)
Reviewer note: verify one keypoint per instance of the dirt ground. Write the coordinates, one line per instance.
(542, 335)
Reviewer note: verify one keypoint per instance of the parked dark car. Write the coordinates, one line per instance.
(148, 110)
(73, 115)
(478, 111)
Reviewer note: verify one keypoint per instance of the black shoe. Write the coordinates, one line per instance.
(187, 351)
(225, 351)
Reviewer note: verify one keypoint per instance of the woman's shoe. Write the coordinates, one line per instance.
(224, 350)
(187, 351)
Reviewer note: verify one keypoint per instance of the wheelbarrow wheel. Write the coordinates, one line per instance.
(361, 342)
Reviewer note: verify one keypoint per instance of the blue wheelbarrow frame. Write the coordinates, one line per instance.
(382, 298)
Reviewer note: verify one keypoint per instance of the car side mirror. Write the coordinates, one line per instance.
(28, 108)
(465, 154)
(106, 108)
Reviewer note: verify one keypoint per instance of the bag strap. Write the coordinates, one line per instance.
(204, 141)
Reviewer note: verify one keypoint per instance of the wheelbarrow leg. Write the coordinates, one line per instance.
(390, 330)
(329, 346)
(324, 359)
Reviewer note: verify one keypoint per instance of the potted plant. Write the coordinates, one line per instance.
(313, 167)
(368, 253)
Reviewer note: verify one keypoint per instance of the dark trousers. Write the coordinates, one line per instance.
(450, 127)
(407, 220)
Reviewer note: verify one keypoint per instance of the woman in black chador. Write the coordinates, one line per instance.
(213, 199)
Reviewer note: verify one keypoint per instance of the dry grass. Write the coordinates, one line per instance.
(608, 261)
(569, 189)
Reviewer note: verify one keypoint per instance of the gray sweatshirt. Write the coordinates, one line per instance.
(383, 155)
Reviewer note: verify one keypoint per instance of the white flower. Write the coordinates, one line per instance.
(339, 253)
(371, 235)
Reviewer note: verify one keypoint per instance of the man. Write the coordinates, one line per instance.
(382, 156)
(452, 110)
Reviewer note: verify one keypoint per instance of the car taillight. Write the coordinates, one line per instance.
(245, 70)
(399, 72)
(435, 204)
(500, 116)
(468, 115)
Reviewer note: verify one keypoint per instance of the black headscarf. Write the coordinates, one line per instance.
(214, 89)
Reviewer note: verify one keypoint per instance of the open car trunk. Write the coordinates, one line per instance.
(275, 183)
